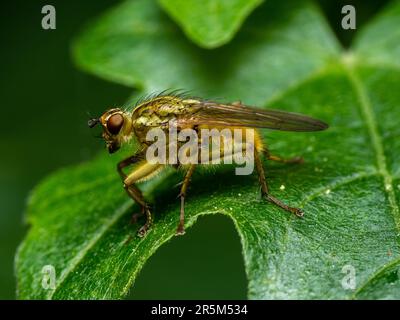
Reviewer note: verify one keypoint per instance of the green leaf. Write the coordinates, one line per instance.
(209, 23)
(284, 57)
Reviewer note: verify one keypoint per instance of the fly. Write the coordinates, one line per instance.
(165, 111)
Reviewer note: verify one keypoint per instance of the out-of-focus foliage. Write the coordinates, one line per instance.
(209, 23)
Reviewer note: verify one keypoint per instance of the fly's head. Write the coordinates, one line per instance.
(117, 128)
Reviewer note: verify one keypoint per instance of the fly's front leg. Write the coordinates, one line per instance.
(129, 161)
(137, 195)
(265, 192)
(143, 170)
(123, 164)
(181, 229)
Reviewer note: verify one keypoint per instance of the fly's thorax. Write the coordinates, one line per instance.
(158, 113)
(147, 123)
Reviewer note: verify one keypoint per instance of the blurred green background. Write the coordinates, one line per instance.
(45, 101)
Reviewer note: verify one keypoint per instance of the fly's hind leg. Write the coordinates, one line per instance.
(265, 191)
(181, 229)
(295, 160)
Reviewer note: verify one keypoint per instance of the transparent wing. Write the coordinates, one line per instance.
(224, 115)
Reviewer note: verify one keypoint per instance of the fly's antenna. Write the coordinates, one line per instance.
(93, 122)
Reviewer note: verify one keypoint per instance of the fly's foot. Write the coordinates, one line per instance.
(143, 230)
(180, 231)
(294, 160)
(296, 211)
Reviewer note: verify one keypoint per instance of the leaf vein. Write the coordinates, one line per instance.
(375, 275)
(369, 117)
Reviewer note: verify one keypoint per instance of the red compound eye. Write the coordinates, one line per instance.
(114, 123)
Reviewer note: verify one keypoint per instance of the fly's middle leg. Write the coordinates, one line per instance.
(265, 191)
(181, 229)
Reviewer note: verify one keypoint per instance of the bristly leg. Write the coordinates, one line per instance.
(149, 220)
(265, 191)
(294, 160)
(135, 193)
(181, 229)
(127, 162)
